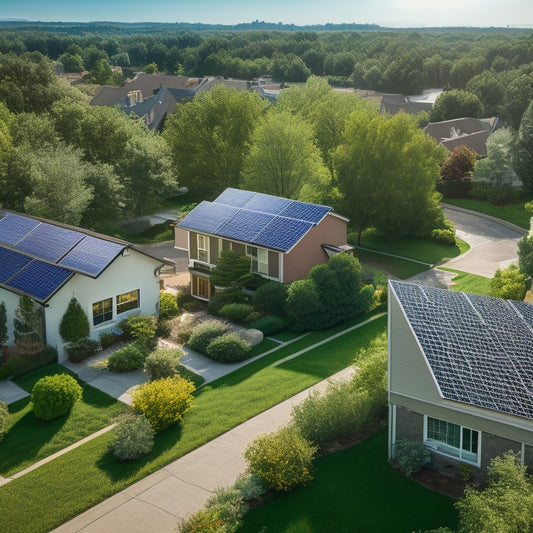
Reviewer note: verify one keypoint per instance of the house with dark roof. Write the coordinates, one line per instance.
(282, 238)
(52, 262)
(460, 375)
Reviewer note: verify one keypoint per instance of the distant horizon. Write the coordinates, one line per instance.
(384, 13)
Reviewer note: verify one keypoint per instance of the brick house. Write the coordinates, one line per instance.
(460, 375)
(283, 238)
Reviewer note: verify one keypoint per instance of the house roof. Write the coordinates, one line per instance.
(479, 349)
(38, 256)
(255, 218)
(394, 103)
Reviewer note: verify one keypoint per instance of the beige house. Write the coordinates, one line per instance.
(460, 375)
(283, 238)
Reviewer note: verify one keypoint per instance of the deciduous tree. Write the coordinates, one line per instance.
(522, 150)
(456, 104)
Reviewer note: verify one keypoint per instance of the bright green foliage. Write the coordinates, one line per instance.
(168, 305)
(284, 459)
(140, 327)
(456, 104)
(522, 150)
(74, 324)
(204, 333)
(134, 437)
(518, 96)
(81, 349)
(101, 72)
(505, 506)
(3, 324)
(54, 396)
(129, 357)
(163, 401)
(163, 363)
(489, 89)
(508, 283)
(270, 324)
(236, 312)
(220, 299)
(4, 419)
(230, 268)
(228, 348)
(525, 255)
(27, 320)
(409, 456)
(270, 298)
(19, 365)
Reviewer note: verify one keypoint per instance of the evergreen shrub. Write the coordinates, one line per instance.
(236, 312)
(129, 357)
(228, 348)
(409, 456)
(204, 333)
(134, 437)
(74, 324)
(220, 299)
(163, 363)
(19, 365)
(270, 324)
(81, 349)
(269, 299)
(54, 396)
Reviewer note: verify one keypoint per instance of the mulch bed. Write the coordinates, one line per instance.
(453, 486)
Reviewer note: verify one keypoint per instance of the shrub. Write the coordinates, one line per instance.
(129, 357)
(4, 419)
(134, 437)
(251, 486)
(236, 312)
(185, 300)
(81, 349)
(74, 324)
(252, 281)
(164, 401)
(184, 335)
(163, 363)
(283, 459)
(228, 348)
(509, 284)
(222, 514)
(19, 365)
(270, 298)
(140, 327)
(409, 456)
(204, 333)
(168, 305)
(163, 329)
(54, 396)
(220, 299)
(252, 317)
(444, 236)
(270, 324)
(107, 339)
(230, 267)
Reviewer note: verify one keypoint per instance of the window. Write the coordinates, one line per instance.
(452, 439)
(102, 311)
(203, 251)
(127, 301)
(259, 259)
(201, 287)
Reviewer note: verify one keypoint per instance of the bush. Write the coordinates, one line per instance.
(251, 486)
(184, 335)
(236, 312)
(163, 329)
(19, 365)
(74, 325)
(444, 236)
(270, 298)
(228, 348)
(54, 396)
(168, 305)
(81, 349)
(164, 401)
(107, 339)
(204, 333)
(220, 299)
(185, 300)
(4, 419)
(252, 281)
(134, 437)
(140, 327)
(270, 324)
(163, 363)
(509, 284)
(129, 357)
(409, 456)
(283, 459)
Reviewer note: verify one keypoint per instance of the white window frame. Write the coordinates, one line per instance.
(444, 448)
(203, 248)
(258, 259)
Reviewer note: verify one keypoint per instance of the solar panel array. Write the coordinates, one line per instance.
(37, 258)
(480, 349)
(255, 218)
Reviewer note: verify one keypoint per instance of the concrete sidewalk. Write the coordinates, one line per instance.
(157, 502)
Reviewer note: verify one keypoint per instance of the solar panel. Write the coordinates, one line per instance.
(207, 217)
(92, 255)
(303, 211)
(264, 203)
(49, 242)
(282, 233)
(14, 227)
(234, 197)
(10, 263)
(40, 280)
(245, 225)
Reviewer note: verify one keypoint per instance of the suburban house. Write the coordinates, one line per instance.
(283, 238)
(52, 262)
(460, 375)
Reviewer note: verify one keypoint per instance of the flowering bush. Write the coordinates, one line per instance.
(54, 396)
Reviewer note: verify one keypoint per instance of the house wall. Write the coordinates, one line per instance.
(308, 252)
(181, 238)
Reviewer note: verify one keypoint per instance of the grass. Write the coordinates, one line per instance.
(286, 335)
(514, 213)
(354, 490)
(39, 500)
(472, 283)
(30, 439)
(399, 268)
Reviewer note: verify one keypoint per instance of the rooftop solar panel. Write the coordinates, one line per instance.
(49, 242)
(264, 203)
(304, 211)
(40, 280)
(207, 217)
(234, 197)
(10, 263)
(14, 227)
(92, 255)
(282, 233)
(245, 225)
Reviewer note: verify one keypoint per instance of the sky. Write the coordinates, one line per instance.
(389, 13)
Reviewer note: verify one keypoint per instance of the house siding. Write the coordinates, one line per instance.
(193, 243)
(273, 264)
(213, 250)
(181, 238)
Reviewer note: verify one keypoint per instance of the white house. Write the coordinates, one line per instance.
(53, 262)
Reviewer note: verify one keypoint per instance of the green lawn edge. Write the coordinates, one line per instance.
(466, 282)
(513, 213)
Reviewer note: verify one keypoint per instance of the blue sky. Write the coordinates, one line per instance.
(393, 13)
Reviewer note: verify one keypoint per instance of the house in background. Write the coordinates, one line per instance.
(460, 375)
(52, 262)
(283, 238)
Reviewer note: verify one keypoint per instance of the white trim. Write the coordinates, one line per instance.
(336, 215)
(392, 429)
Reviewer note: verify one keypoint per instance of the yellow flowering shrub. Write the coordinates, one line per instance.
(164, 401)
(284, 459)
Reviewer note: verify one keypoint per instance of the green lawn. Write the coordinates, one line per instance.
(30, 439)
(514, 213)
(57, 491)
(354, 490)
(465, 282)
(399, 268)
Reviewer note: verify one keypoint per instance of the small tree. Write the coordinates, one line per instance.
(3, 324)
(508, 283)
(525, 255)
(27, 321)
(74, 324)
(231, 266)
(459, 164)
